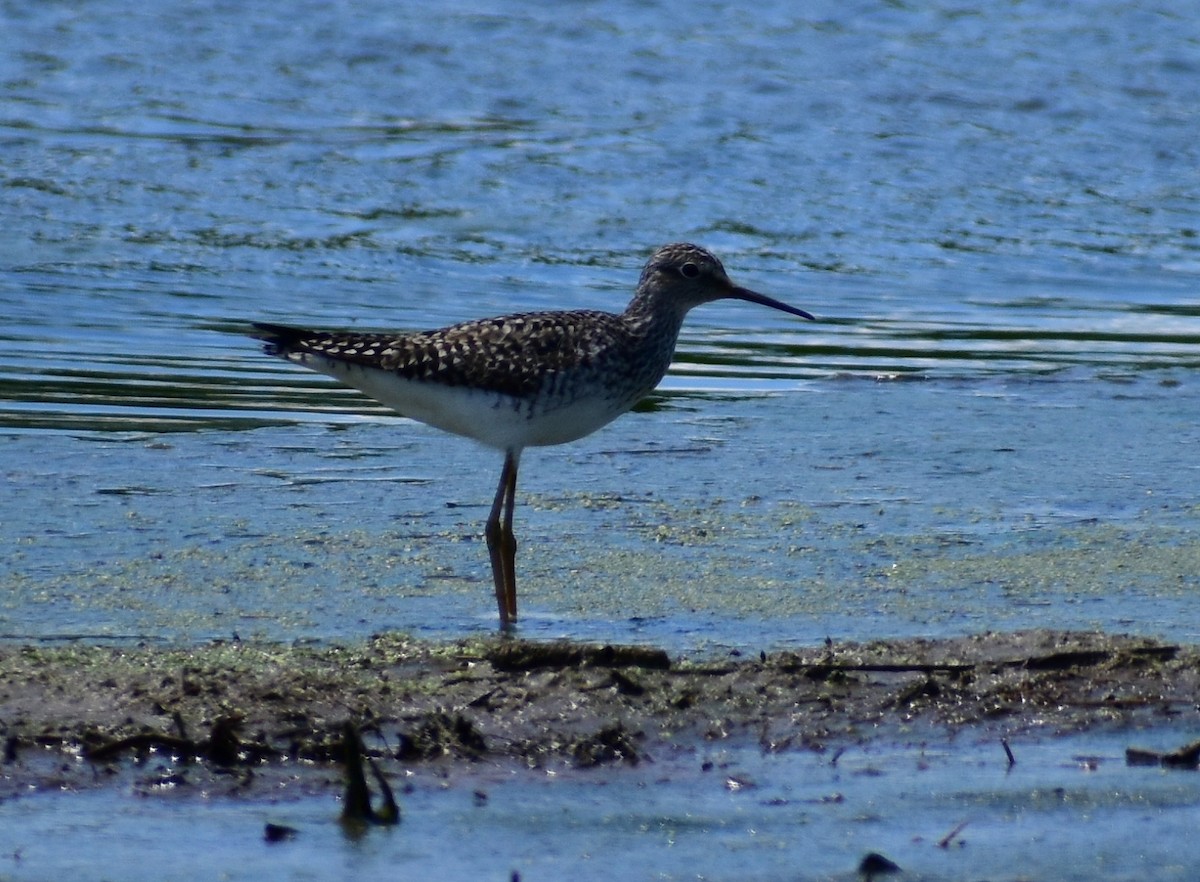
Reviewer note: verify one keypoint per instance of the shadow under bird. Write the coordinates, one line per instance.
(524, 380)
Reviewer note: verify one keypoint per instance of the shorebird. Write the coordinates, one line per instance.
(524, 380)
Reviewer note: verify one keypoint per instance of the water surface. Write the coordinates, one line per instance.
(950, 190)
(959, 200)
(1069, 809)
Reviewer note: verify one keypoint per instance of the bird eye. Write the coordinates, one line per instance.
(689, 270)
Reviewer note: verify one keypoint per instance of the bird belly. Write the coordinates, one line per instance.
(500, 420)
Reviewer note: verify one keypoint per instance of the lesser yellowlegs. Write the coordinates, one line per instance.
(524, 380)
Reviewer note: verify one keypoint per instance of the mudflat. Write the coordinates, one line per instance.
(242, 715)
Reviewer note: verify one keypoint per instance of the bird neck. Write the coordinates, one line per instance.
(653, 330)
(651, 317)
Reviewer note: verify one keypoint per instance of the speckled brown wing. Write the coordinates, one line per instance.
(515, 355)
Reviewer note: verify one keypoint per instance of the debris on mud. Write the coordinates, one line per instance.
(77, 715)
(1186, 757)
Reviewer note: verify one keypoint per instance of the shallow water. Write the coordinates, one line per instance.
(997, 204)
(697, 527)
(1069, 809)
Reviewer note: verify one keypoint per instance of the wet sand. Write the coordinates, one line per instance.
(250, 717)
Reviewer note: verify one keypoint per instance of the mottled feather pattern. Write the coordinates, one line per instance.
(545, 360)
(517, 355)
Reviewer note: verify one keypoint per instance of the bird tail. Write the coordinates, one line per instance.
(278, 339)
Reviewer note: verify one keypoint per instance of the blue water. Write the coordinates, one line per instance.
(1000, 203)
(955, 192)
(1069, 809)
(847, 510)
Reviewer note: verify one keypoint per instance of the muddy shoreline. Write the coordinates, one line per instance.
(247, 717)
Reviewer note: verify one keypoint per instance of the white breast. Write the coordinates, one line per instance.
(492, 418)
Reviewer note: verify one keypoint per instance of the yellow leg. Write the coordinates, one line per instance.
(502, 543)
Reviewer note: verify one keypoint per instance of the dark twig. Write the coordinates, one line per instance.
(945, 841)
(1012, 760)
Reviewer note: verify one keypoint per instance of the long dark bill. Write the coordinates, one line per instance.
(754, 297)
